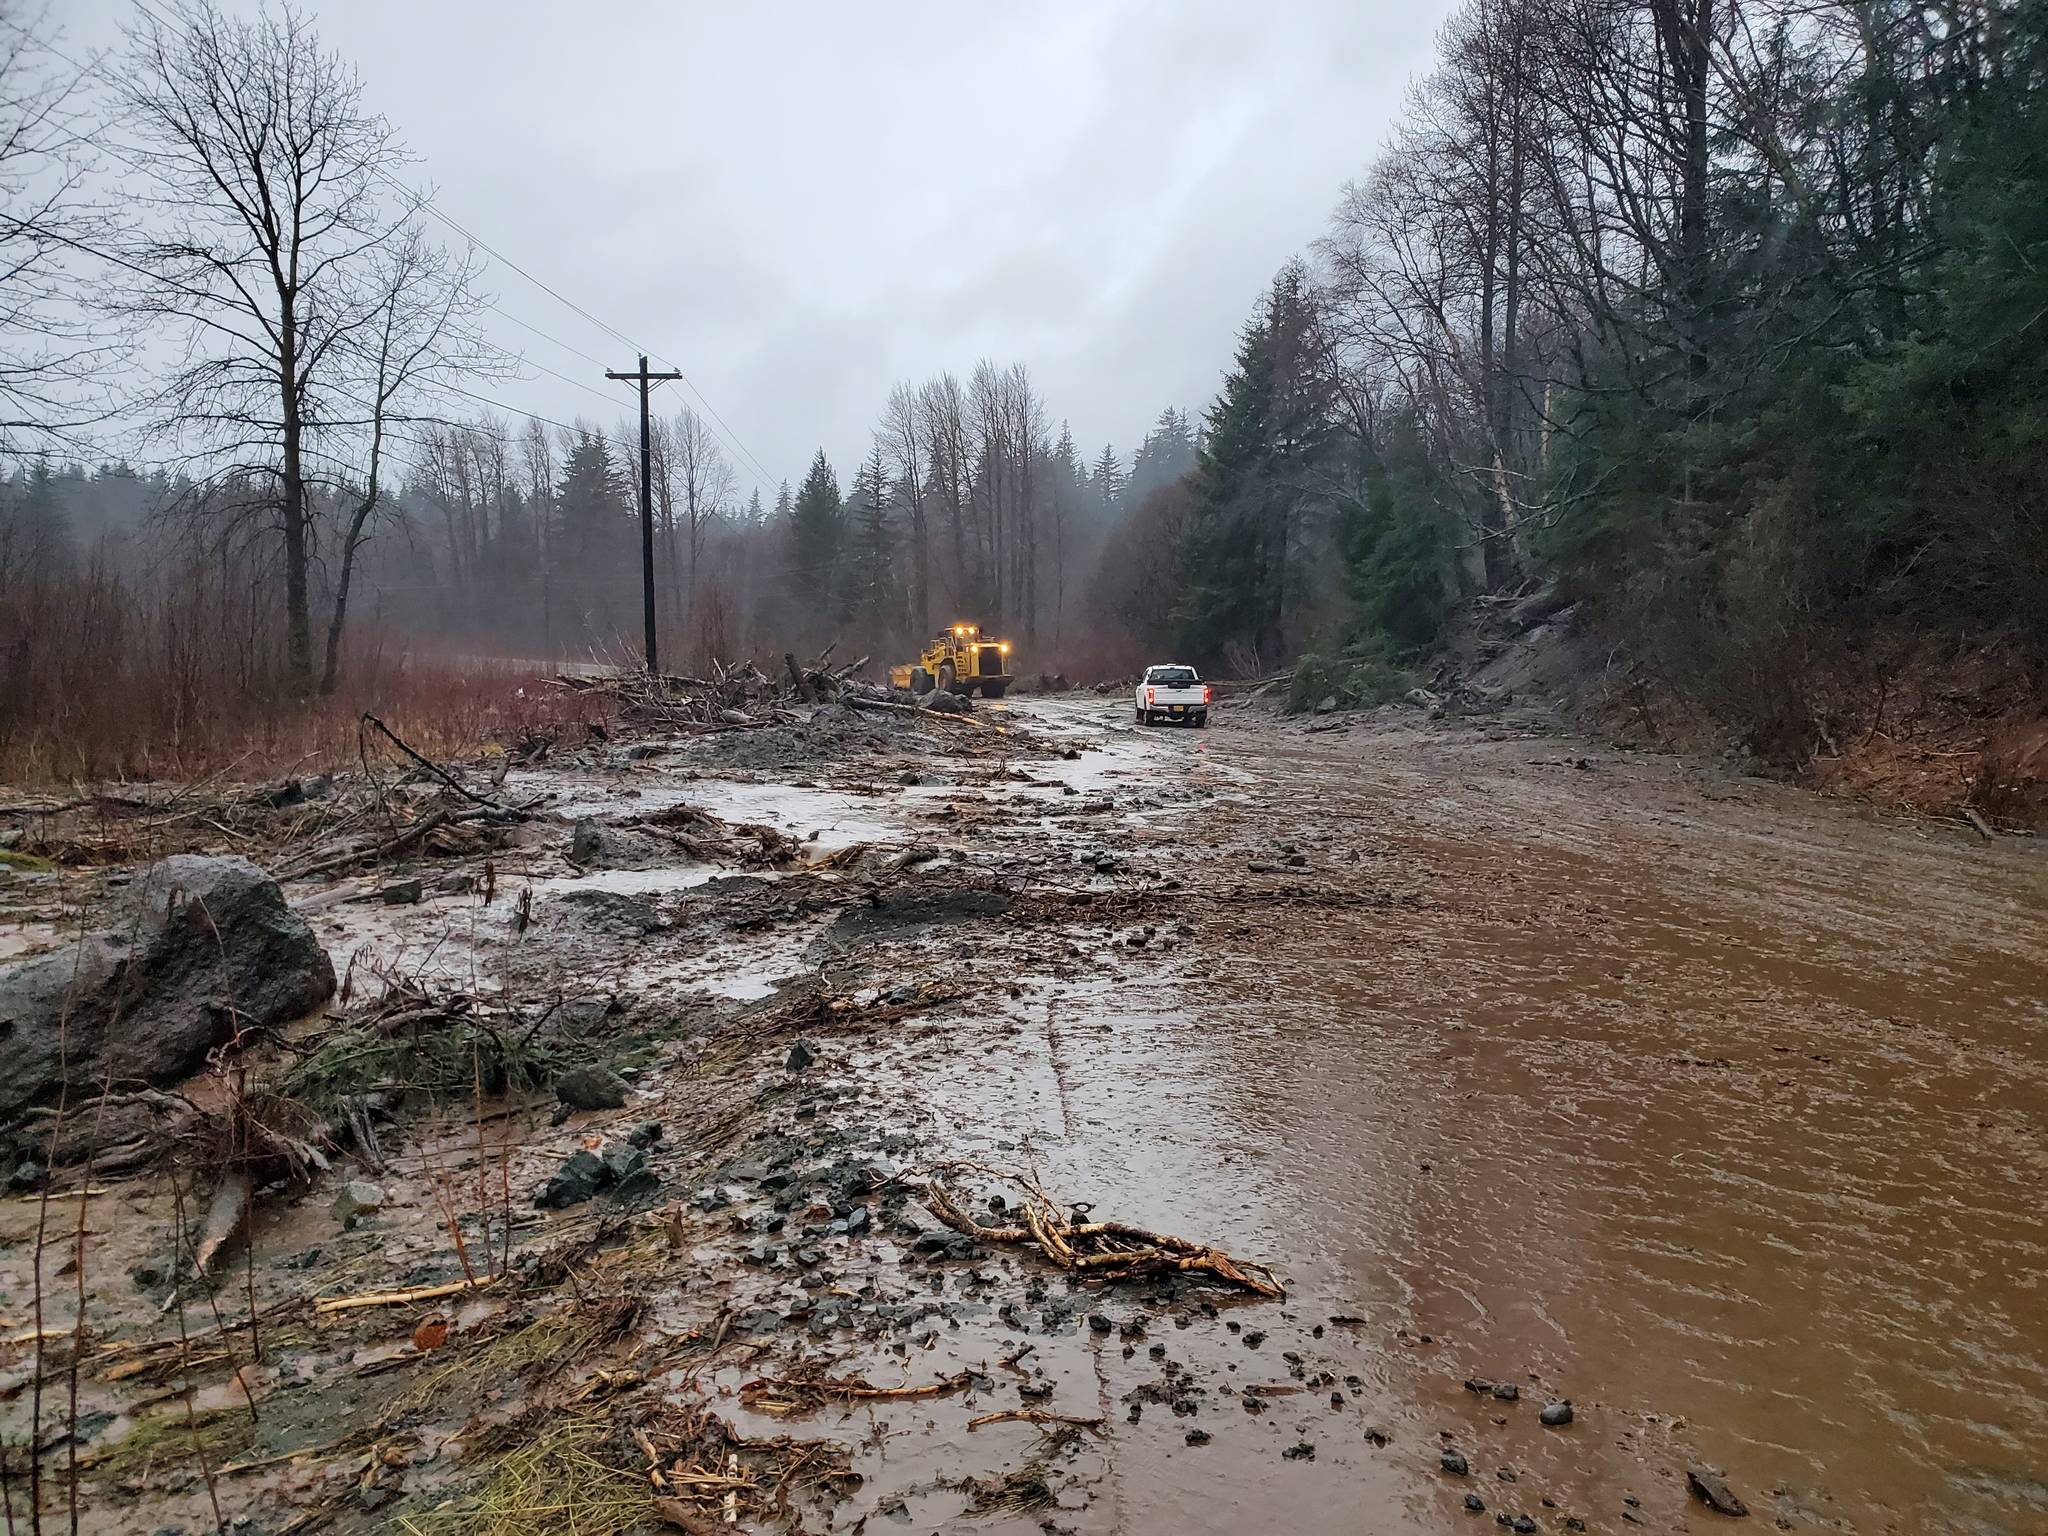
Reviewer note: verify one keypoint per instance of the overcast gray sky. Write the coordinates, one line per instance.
(800, 204)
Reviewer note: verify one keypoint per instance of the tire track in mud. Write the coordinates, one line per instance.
(1059, 1070)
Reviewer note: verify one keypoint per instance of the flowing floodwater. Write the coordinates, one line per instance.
(1717, 1109)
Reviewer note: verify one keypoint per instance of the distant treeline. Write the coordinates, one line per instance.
(1726, 315)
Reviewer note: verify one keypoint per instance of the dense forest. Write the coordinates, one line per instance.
(1724, 318)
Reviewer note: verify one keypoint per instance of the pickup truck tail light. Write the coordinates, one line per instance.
(1208, 693)
(1151, 695)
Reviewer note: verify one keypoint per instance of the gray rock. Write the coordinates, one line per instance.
(1475, 1504)
(288, 793)
(576, 1181)
(1712, 1489)
(625, 912)
(595, 845)
(1556, 1414)
(801, 1057)
(586, 842)
(358, 1197)
(205, 945)
(591, 1087)
(403, 893)
(943, 703)
(623, 1162)
(645, 1134)
(1454, 1462)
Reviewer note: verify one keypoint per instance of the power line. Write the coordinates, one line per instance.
(721, 427)
(543, 335)
(499, 405)
(727, 435)
(766, 478)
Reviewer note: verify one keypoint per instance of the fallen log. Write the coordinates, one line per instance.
(858, 702)
(1032, 1416)
(769, 1394)
(225, 1217)
(326, 1306)
(431, 766)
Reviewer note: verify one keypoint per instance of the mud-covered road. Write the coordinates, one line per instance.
(1538, 1073)
(1717, 1109)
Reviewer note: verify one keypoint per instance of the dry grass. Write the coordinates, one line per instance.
(560, 1478)
(532, 1351)
(166, 1448)
(131, 727)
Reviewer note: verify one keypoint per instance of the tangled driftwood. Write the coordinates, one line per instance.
(778, 1395)
(1102, 1250)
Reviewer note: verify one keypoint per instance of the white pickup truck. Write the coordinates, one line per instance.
(1173, 693)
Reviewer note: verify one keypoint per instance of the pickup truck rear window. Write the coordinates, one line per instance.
(1172, 677)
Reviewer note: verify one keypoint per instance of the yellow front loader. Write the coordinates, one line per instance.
(958, 660)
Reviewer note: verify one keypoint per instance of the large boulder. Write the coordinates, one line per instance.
(595, 844)
(206, 945)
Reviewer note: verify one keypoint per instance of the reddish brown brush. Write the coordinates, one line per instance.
(105, 682)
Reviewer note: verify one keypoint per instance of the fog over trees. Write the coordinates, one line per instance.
(1727, 315)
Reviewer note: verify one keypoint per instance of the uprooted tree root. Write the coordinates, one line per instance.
(1098, 1250)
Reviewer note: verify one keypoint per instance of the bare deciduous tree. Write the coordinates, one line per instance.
(704, 487)
(284, 261)
(423, 334)
(905, 436)
(49, 356)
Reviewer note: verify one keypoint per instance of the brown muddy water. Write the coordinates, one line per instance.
(1714, 1108)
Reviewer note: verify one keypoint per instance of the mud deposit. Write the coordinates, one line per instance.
(1539, 1075)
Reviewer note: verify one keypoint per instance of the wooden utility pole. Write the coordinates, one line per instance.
(646, 381)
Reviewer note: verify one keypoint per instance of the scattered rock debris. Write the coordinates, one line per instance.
(1712, 1490)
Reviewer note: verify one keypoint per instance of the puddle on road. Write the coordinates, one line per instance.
(18, 941)
(632, 882)
(836, 819)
